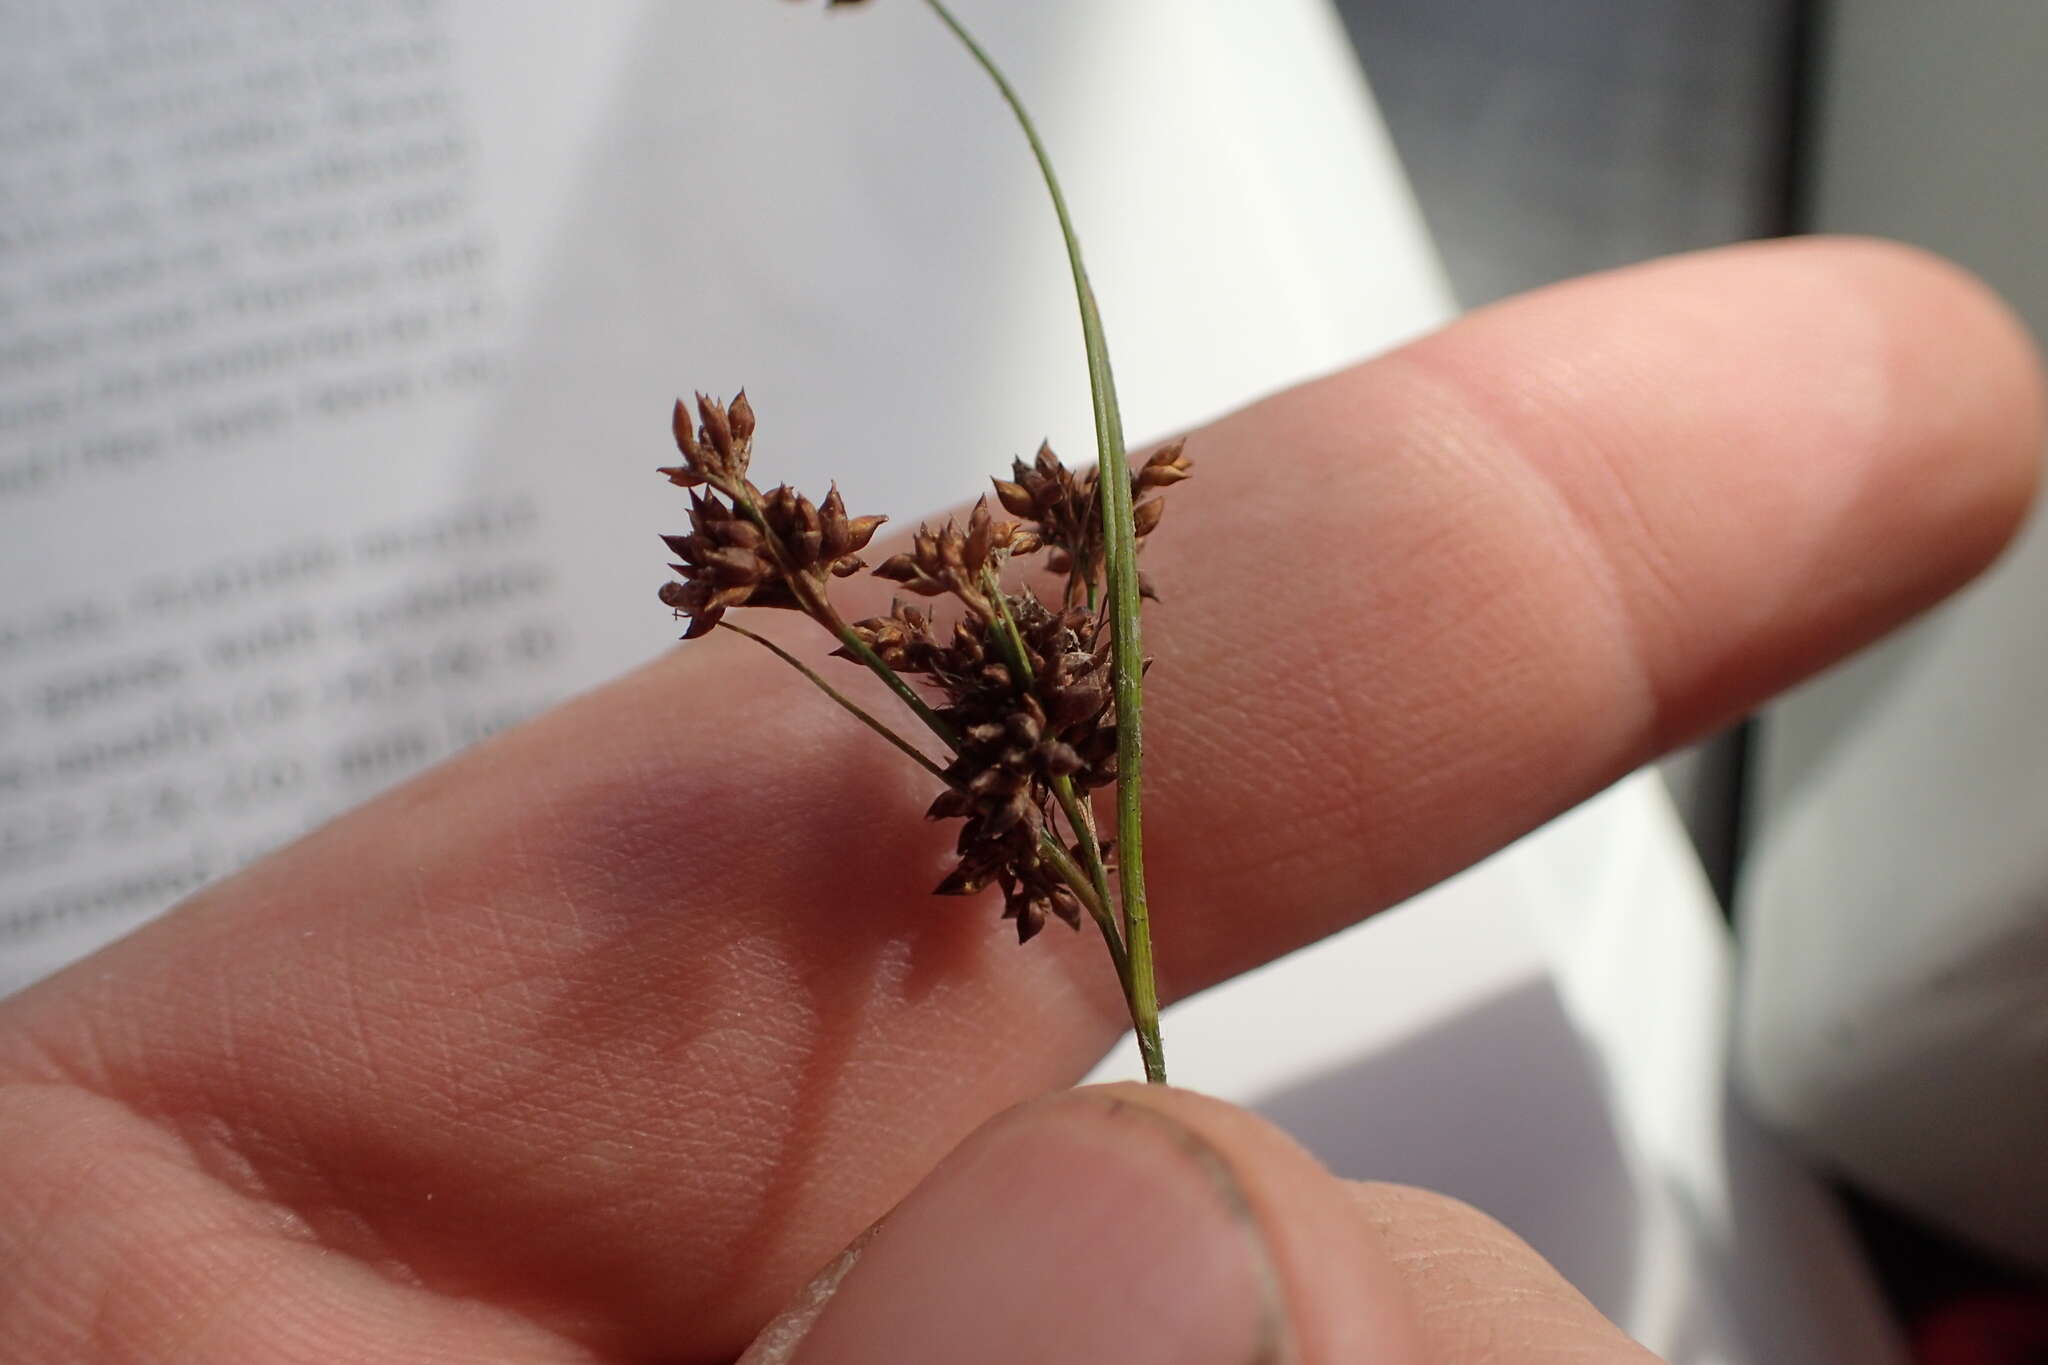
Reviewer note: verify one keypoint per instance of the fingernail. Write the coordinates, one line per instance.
(1080, 1230)
(779, 1339)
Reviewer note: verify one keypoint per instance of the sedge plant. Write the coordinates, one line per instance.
(1036, 700)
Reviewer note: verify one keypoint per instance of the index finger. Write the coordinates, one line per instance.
(651, 996)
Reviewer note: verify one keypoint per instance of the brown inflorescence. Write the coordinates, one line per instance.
(1023, 687)
(774, 549)
(955, 561)
(1061, 507)
(1017, 735)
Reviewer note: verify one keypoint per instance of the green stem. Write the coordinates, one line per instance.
(1009, 636)
(867, 655)
(1083, 822)
(1098, 910)
(820, 608)
(1120, 539)
(854, 708)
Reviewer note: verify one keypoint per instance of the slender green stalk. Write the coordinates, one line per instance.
(1121, 541)
(1098, 910)
(1009, 636)
(852, 707)
(1078, 816)
(820, 608)
(867, 655)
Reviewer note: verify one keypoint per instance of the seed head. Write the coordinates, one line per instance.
(1061, 509)
(746, 547)
(718, 451)
(951, 560)
(1013, 739)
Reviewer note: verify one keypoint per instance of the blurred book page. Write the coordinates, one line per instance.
(257, 266)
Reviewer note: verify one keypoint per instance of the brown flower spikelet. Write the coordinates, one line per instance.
(745, 550)
(1060, 507)
(1015, 739)
(952, 560)
(1018, 732)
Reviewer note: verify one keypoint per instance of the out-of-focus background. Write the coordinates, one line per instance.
(1553, 139)
(1549, 139)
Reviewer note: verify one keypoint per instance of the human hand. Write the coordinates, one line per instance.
(595, 1043)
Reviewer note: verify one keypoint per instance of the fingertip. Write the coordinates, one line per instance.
(1951, 430)
(1480, 1292)
(1783, 448)
(2001, 399)
(1126, 1223)
(1345, 1299)
(1971, 395)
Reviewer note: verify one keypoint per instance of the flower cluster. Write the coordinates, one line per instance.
(1018, 737)
(1022, 688)
(1012, 668)
(773, 549)
(1061, 508)
(960, 562)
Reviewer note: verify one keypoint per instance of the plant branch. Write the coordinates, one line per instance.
(819, 607)
(1098, 910)
(852, 707)
(1120, 539)
(1008, 636)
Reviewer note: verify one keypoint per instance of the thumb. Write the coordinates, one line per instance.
(1126, 1225)
(1135, 1225)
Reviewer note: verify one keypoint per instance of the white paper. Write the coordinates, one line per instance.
(261, 264)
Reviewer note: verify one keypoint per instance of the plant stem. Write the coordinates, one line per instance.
(1008, 635)
(854, 708)
(1098, 909)
(1120, 539)
(820, 608)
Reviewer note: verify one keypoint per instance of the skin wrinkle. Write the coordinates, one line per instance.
(510, 1174)
(1549, 393)
(541, 797)
(801, 1141)
(211, 1147)
(1328, 829)
(115, 1302)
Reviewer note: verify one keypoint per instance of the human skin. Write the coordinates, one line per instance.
(595, 1043)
